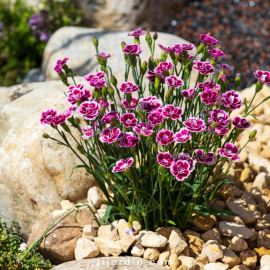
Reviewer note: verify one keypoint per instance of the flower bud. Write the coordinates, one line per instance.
(77, 121)
(63, 78)
(154, 147)
(111, 90)
(130, 222)
(65, 127)
(237, 81)
(123, 45)
(163, 56)
(143, 67)
(157, 61)
(259, 86)
(141, 114)
(200, 48)
(129, 98)
(101, 61)
(148, 39)
(252, 135)
(104, 91)
(81, 149)
(113, 81)
(151, 63)
(95, 41)
(155, 36)
(46, 136)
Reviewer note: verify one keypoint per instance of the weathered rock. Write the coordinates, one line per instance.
(151, 239)
(233, 229)
(240, 267)
(67, 205)
(248, 174)
(265, 260)
(108, 247)
(201, 261)
(249, 258)
(216, 266)
(163, 258)
(236, 219)
(250, 203)
(137, 250)
(151, 254)
(265, 267)
(261, 181)
(166, 232)
(108, 232)
(219, 205)
(230, 258)
(125, 240)
(59, 244)
(177, 243)
(57, 213)
(31, 193)
(212, 234)
(95, 197)
(89, 232)
(189, 233)
(212, 249)
(263, 239)
(85, 249)
(196, 244)
(262, 251)
(263, 223)
(204, 223)
(118, 223)
(188, 261)
(174, 261)
(237, 244)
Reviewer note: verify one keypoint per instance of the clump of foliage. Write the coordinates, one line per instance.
(21, 48)
(12, 248)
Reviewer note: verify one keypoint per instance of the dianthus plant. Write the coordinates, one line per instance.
(156, 147)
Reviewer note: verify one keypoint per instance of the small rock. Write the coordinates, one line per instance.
(182, 267)
(151, 254)
(249, 258)
(174, 261)
(226, 241)
(151, 239)
(265, 260)
(240, 267)
(212, 234)
(263, 223)
(216, 266)
(262, 251)
(236, 219)
(117, 223)
(108, 232)
(212, 249)
(254, 235)
(126, 240)
(163, 258)
(233, 229)
(204, 223)
(265, 267)
(108, 247)
(196, 244)
(230, 258)
(100, 214)
(137, 250)
(201, 261)
(249, 201)
(261, 181)
(103, 206)
(58, 213)
(188, 261)
(166, 232)
(89, 232)
(219, 205)
(177, 243)
(67, 205)
(263, 239)
(189, 233)
(85, 249)
(248, 175)
(95, 197)
(237, 244)
(137, 226)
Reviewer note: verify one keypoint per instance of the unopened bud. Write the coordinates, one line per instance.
(143, 67)
(155, 148)
(252, 135)
(151, 63)
(101, 60)
(46, 136)
(163, 56)
(104, 91)
(111, 90)
(200, 48)
(130, 222)
(65, 127)
(155, 36)
(123, 45)
(259, 86)
(148, 39)
(77, 121)
(157, 61)
(95, 41)
(237, 81)
(113, 81)
(81, 149)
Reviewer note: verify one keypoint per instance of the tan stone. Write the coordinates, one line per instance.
(216, 266)
(177, 243)
(137, 250)
(166, 232)
(85, 249)
(188, 233)
(67, 205)
(204, 223)
(108, 247)
(212, 234)
(151, 254)
(263, 223)
(237, 244)
(126, 241)
(196, 244)
(248, 175)
(95, 197)
(201, 261)
(230, 258)
(163, 258)
(182, 267)
(240, 267)
(262, 251)
(58, 213)
(249, 258)
(174, 261)
(233, 229)
(263, 238)
(188, 261)
(108, 232)
(212, 249)
(119, 223)
(265, 260)
(89, 232)
(151, 239)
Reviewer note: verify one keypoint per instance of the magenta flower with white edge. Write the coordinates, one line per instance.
(165, 49)
(165, 159)
(223, 77)
(209, 158)
(90, 110)
(68, 112)
(188, 93)
(128, 88)
(209, 97)
(104, 55)
(155, 118)
(136, 33)
(220, 117)
(182, 136)
(163, 67)
(58, 69)
(109, 135)
(174, 81)
(180, 48)
(208, 40)
(131, 106)
(104, 104)
(220, 131)
(241, 122)
(195, 124)
(107, 118)
(186, 156)
(79, 93)
(60, 63)
(47, 117)
(229, 151)
(208, 85)
(92, 77)
(263, 76)
(98, 83)
(89, 132)
(180, 169)
(151, 75)
(169, 111)
(165, 137)
(122, 165)
(59, 119)
(216, 53)
(224, 67)
(232, 100)
(144, 129)
(133, 49)
(150, 104)
(127, 139)
(203, 67)
(128, 120)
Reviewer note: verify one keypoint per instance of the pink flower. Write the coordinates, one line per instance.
(155, 118)
(128, 120)
(90, 110)
(232, 100)
(229, 151)
(122, 165)
(89, 132)
(132, 49)
(207, 158)
(223, 77)
(59, 119)
(59, 64)
(107, 118)
(180, 48)
(203, 67)
(127, 139)
(165, 49)
(98, 83)
(163, 67)
(109, 135)
(151, 75)
(224, 67)
(165, 137)
(263, 76)
(128, 88)
(130, 231)
(47, 117)
(209, 97)
(150, 104)
(208, 40)
(136, 33)
(220, 117)
(186, 157)
(104, 104)
(68, 112)
(195, 125)
(130, 106)
(165, 159)
(104, 55)
(188, 93)
(182, 136)
(220, 131)
(91, 77)
(169, 111)
(216, 53)
(144, 129)
(180, 169)
(58, 69)
(173, 81)
(208, 85)
(241, 122)
(78, 93)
